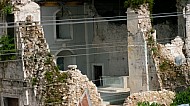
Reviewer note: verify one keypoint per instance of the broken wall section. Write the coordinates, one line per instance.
(172, 64)
(50, 85)
(141, 62)
(164, 98)
(42, 73)
(12, 83)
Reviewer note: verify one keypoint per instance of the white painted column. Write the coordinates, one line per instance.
(87, 45)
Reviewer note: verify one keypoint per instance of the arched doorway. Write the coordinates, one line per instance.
(65, 58)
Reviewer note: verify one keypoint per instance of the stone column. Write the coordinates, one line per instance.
(187, 40)
(137, 54)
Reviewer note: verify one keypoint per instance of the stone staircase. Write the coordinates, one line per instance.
(113, 96)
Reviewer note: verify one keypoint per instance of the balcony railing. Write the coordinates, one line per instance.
(115, 81)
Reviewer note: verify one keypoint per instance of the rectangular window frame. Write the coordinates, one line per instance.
(71, 31)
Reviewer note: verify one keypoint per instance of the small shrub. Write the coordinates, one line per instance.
(49, 76)
(167, 65)
(47, 61)
(182, 98)
(34, 81)
(62, 77)
(7, 9)
(7, 48)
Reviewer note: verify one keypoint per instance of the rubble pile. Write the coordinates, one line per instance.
(144, 23)
(163, 97)
(173, 52)
(77, 84)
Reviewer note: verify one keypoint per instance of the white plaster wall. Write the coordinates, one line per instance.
(114, 53)
(30, 8)
(48, 14)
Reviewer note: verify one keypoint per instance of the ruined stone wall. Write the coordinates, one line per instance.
(167, 67)
(173, 69)
(165, 32)
(42, 73)
(152, 73)
(174, 51)
(76, 85)
(164, 98)
(140, 40)
(12, 82)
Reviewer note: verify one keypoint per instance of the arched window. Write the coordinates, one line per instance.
(64, 30)
(64, 59)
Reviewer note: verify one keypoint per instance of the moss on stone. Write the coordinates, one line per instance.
(34, 81)
(134, 4)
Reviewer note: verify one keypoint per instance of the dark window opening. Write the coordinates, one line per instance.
(11, 101)
(98, 75)
(165, 6)
(63, 28)
(60, 63)
(64, 59)
(10, 24)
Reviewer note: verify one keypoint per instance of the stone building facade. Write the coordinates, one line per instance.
(29, 82)
(94, 46)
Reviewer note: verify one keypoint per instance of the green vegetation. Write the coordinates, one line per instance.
(152, 44)
(182, 98)
(53, 77)
(136, 3)
(34, 81)
(56, 81)
(49, 76)
(165, 65)
(6, 7)
(7, 48)
(150, 40)
(147, 104)
(48, 60)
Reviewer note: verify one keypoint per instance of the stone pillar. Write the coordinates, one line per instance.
(137, 54)
(26, 11)
(187, 40)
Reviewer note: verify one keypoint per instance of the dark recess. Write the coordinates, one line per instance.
(165, 6)
(111, 8)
